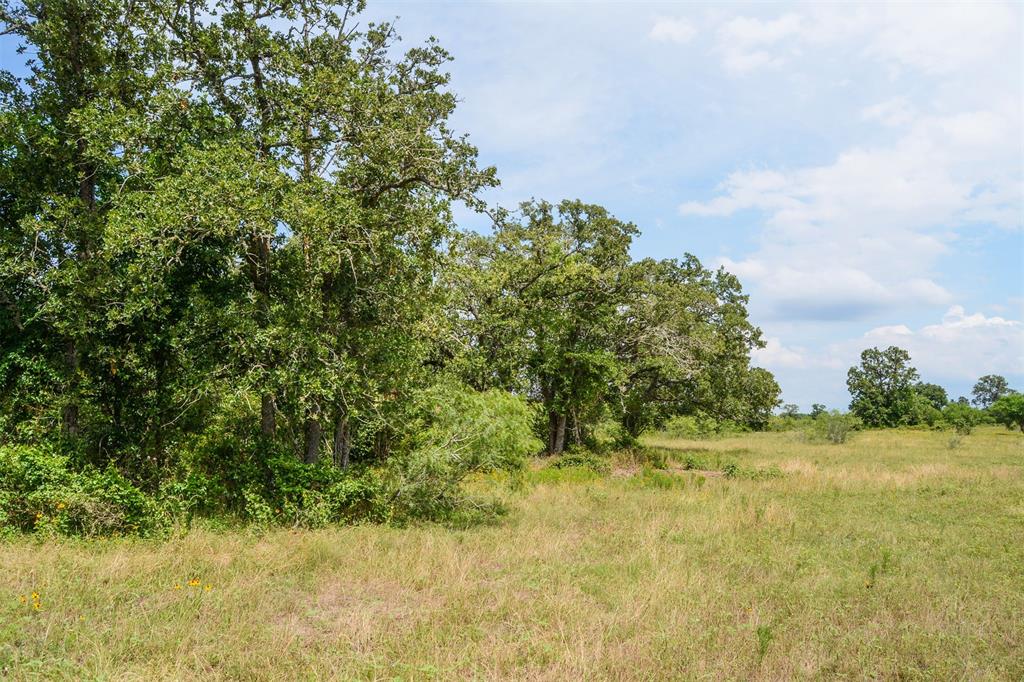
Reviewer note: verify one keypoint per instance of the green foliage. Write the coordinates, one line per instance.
(1009, 411)
(831, 427)
(458, 432)
(579, 457)
(961, 418)
(40, 492)
(882, 389)
(231, 284)
(700, 427)
(989, 389)
(935, 394)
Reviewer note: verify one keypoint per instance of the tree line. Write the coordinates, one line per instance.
(887, 391)
(228, 252)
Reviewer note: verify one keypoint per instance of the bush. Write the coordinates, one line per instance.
(581, 458)
(833, 427)
(40, 492)
(1009, 411)
(961, 418)
(700, 427)
(459, 432)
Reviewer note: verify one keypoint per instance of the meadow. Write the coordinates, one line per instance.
(893, 556)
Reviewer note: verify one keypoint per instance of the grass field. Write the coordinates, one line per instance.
(890, 557)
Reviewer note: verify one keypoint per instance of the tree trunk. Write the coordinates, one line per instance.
(342, 440)
(314, 432)
(556, 433)
(268, 416)
(69, 415)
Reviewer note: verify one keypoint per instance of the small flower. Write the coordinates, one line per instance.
(177, 587)
(207, 588)
(35, 596)
(60, 505)
(195, 582)
(23, 599)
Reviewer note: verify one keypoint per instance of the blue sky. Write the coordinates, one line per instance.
(860, 168)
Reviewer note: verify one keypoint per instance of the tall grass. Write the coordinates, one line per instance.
(890, 557)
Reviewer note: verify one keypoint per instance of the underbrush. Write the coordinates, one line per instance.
(456, 434)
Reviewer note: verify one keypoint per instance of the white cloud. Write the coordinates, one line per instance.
(775, 355)
(936, 38)
(892, 112)
(961, 346)
(746, 44)
(672, 30)
(863, 232)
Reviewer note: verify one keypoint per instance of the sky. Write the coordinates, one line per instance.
(859, 168)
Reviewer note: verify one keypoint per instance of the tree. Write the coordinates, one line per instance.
(882, 387)
(543, 295)
(935, 394)
(989, 389)
(817, 409)
(1009, 411)
(684, 342)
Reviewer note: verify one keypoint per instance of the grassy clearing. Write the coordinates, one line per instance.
(890, 557)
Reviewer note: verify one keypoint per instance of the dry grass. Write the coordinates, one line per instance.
(890, 557)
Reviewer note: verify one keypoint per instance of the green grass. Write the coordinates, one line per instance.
(889, 557)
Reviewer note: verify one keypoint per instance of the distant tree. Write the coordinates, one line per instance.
(817, 409)
(1009, 411)
(962, 400)
(935, 394)
(790, 410)
(882, 387)
(989, 389)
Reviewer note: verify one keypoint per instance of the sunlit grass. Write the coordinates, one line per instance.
(890, 557)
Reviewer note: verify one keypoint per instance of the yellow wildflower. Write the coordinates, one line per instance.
(23, 599)
(60, 505)
(35, 596)
(177, 587)
(195, 582)
(207, 588)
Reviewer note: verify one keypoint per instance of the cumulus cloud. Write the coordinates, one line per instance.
(862, 233)
(961, 346)
(775, 355)
(672, 30)
(936, 38)
(748, 44)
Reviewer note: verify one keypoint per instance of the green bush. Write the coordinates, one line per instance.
(458, 432)
(581, 458)
(41, 492)
(700, 427)
(1009, 411)
(833, 427)
(961, 418)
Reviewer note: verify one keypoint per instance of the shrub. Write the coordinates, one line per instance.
(961, 418)
(40, 492)
(700, 427)
(832, 427)
(459, 432)
(581, 458)
(1009, 411)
